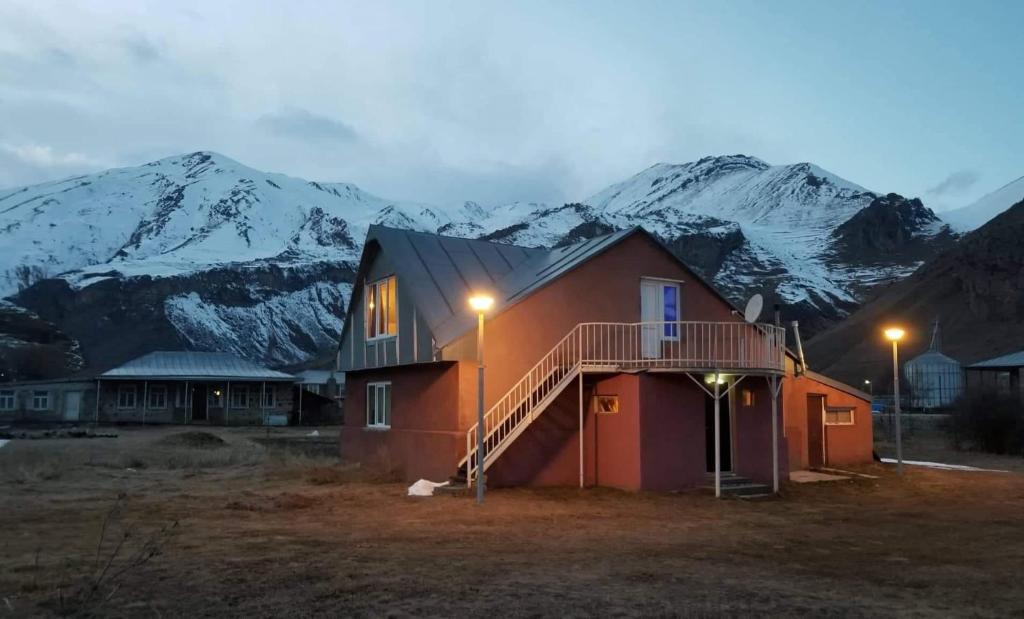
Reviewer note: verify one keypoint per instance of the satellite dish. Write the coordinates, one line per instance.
(753, 309)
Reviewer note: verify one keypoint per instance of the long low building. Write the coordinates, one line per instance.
(160, 387)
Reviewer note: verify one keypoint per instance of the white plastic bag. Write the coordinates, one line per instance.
(425, 487)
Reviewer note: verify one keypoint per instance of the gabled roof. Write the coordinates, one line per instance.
(441, 272)
(178, 365)
(1012, 360)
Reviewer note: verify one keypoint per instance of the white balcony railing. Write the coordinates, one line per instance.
(684, 345)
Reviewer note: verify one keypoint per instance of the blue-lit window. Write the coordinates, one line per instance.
(670, 299)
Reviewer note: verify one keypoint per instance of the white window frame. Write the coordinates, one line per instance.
(235, 389)
(46, 397)
(378, 393)
(839, 409)
(154, 390)
(8, 399)
(378, 315)
(126, 389)
(272, 401)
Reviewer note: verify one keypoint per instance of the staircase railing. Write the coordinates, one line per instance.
(517, 408)
(613, 346)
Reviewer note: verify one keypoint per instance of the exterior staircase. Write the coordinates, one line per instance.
(620, 347)
(734, 485)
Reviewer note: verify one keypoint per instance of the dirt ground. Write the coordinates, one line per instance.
(242, 529)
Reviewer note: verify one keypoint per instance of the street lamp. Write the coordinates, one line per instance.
(867, 384)
(480, 304)
(894, 335)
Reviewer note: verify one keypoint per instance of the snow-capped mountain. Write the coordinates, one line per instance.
(182, 214)
(749, 226)
(981, 211)
(200, 251)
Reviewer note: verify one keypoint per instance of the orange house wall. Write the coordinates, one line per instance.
(604, 289)
(655, 442)
(428, 412)
(844, 445)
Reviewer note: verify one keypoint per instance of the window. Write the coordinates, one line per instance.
(7, 400)
(40, 400)
(747, 397)
(240, 397)
(606, 404)
(838, 416)
(126, 396)
(381, 309)
(670, 307)
(378, 405)
(158, 396)
(269, 396)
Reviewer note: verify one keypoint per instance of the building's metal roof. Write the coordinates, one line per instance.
(931, 358)
(180, 365)
(318, 377)
(442, 272)
(1012, 360)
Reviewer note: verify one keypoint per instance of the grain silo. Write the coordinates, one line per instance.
(935, 380)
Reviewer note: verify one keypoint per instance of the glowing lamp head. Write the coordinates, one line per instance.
(894, 334)
(481, 302)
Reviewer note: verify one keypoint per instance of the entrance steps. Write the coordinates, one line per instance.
(734, 485)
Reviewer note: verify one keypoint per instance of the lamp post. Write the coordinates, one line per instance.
(480, 303)
(867, 383)
(894, 335)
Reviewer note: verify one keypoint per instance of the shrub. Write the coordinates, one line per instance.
(988, 421)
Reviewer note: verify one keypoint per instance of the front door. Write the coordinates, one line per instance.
(815, 431)
(199, 403)
(725, 431)
(72, 405)
(659, 303)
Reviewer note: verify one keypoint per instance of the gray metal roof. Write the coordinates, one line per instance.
(442, 272)
(318, 377)
(179, 365)
(931, 358)
(1012, 360)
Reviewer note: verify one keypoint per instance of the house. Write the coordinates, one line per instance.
(319, 396)
(47, 401)
(1003, 374)
(193, 387)
(606, 362)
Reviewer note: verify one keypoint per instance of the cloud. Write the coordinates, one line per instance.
(304, 125)
(957, 182)
(141, 48)
(33, 163)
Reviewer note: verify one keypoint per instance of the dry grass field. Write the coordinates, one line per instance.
(154, 524)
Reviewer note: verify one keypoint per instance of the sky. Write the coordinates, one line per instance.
(443, 102)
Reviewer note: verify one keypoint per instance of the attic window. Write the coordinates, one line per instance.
(381, 309)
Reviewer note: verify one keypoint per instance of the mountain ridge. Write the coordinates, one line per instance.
(234, 243)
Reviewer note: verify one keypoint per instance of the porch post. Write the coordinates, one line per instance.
(775, 434)
(226, 403)
(300, 404)
(97, 402)
(145, 400)
(188, 400)
(581, 429)
(718, 443)
(263, 401)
